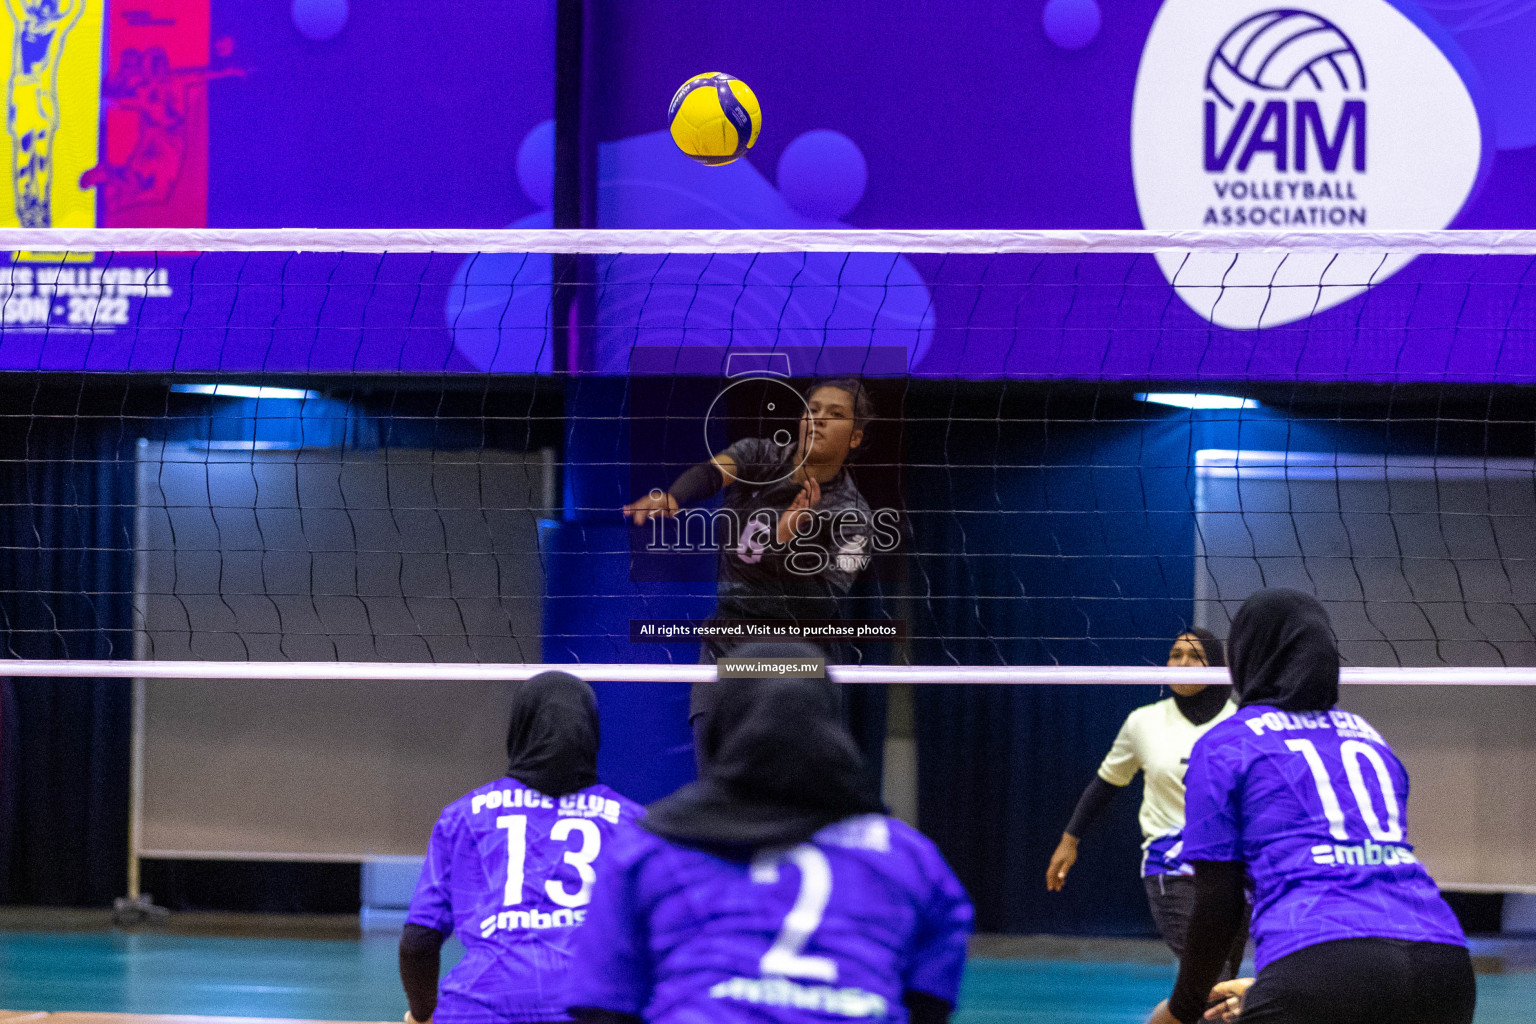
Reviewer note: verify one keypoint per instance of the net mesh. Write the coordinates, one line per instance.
(382, 447)
(395, 463)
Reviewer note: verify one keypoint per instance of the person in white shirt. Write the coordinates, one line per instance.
(1157, 739)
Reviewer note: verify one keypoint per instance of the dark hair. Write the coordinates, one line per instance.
(863, 407)
(1210, 644)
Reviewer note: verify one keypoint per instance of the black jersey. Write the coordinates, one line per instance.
(806, 578)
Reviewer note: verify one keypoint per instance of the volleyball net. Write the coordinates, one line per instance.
(414, 447)
(374, 475)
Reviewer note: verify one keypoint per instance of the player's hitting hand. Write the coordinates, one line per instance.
(800, 508)
(1061, 862)
(1228, 1000)
(657, 503)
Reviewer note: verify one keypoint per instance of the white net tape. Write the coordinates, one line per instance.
(638, 241)
(1038, 675)
(1202, 271)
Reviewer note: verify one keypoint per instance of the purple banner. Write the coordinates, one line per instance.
(1092, 317)
(231, 313)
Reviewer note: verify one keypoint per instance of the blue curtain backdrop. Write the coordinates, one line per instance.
(1024, 502)
(66, 562)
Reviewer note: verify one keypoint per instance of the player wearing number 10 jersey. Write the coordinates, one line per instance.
(511, 868)
(1309, 803)
(773, 890)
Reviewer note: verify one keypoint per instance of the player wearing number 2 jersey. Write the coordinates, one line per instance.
(1309, 803)
(511, 868)
(773, 890)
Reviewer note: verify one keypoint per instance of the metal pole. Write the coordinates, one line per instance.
(570, 16)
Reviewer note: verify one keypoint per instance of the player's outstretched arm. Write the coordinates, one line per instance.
(1096, 796)
(1062, 859)
(697, 483)
(657, 503)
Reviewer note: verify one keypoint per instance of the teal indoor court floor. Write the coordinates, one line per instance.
(1039, 980)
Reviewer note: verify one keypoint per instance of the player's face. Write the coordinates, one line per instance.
(1187, 652)
(826, 427)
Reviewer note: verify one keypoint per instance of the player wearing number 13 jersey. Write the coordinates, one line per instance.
(1307, 803)
(773, 890)
(511, 868)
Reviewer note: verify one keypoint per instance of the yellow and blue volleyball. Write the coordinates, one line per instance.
(714, 118)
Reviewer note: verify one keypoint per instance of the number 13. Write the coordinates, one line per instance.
(581, 858)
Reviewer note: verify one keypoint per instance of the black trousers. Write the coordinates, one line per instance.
(1365, 981)
(1172, 899)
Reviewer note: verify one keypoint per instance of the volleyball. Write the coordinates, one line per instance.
(714, 118)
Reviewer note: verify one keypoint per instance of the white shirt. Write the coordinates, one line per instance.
(1157, 739)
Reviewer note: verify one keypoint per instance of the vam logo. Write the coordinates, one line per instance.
(1252, 117)
(1275, 70)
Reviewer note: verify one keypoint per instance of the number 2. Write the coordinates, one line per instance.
(516, 826)
(785, 958)
(1352, 751)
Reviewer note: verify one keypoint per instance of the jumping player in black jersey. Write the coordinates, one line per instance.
(800, 529)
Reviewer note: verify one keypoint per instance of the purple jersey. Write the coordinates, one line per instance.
(835, 928)
(1315, 805)
(511, 872)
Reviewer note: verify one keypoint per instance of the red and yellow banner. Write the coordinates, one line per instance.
(154, 163)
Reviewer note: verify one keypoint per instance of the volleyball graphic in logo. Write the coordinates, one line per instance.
(1251, 116)
(1280, 51)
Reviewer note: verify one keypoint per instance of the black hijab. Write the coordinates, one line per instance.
(780, 766)
(552, 736)
(1284, 653)
(1201, 707)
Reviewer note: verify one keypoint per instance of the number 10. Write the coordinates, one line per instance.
(1352, 751)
